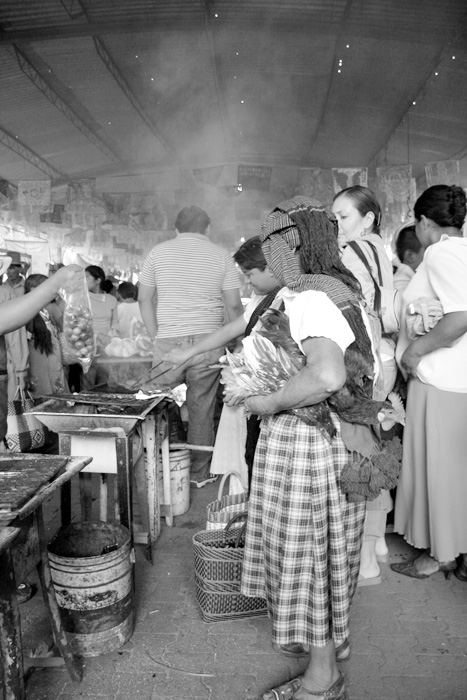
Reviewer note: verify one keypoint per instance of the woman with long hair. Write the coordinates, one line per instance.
(431, 499)
(46, 373)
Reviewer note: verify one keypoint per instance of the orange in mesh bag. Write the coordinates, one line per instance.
(78, 331)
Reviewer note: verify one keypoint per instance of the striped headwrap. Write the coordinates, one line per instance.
(299, 224)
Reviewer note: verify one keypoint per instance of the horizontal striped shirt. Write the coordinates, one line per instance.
(190, 274)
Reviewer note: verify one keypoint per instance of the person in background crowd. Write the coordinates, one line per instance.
(264, 286)
(359, 217)
(17, 349)
(104, 319)
(15, 313)
(303, 537)
(16, 274)
(46, 373)
(431, 498)
(409, 251)
(129, 316)
(188, 285)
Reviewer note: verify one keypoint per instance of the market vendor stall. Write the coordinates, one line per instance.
(111, 427)
(26, 481)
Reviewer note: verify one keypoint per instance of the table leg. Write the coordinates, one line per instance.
(150, 468)
(123, 451)
(85, 495)
(64, 448)
(10, 633)
(163, 435)
(103, 496)
(73, 663)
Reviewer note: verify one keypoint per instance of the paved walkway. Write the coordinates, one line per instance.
(409, 637)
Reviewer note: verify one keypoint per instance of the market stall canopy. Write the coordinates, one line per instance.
(121, 87)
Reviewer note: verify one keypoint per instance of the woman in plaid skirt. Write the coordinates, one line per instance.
(303, 536)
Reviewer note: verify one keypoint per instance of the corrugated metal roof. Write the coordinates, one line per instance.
(143, 84)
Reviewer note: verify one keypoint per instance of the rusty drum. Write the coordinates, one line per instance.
(92, 567)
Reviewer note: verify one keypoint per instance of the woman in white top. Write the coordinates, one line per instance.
(359, 217)
(431, 498)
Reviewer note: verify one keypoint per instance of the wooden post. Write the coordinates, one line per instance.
(10, 632)
(64, 448)
(103, 496)
(72, 662)
(150, 468)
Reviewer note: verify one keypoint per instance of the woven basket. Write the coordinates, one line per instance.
(222, 510)
(218, 571)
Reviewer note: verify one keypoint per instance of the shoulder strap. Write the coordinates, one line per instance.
(376, 257)
(360, 254)
(263, 306)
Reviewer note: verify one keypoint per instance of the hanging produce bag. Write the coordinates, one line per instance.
(78, 332)
(24, 431)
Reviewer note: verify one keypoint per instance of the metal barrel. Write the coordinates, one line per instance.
(93, 575)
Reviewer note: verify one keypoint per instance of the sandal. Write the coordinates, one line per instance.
(287, 691)
(408, 568)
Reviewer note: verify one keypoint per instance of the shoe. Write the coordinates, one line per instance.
(287, 691)
(460, 571)
(25, 591)
(210, 479)
(371, 581)
(407, 568)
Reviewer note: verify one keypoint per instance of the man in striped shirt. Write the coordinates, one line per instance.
(188, 288)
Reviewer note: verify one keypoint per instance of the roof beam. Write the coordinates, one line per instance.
(15, 145)
(26, 64)
(217, 75)
(407, 105)
(113, 69)
(332, 73)
(150, 24)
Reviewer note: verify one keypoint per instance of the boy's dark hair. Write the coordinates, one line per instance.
(192, 219)
(107, 286)
(127, 290)
(407, 240)
(250, 255)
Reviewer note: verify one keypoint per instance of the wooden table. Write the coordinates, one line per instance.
(27, 520)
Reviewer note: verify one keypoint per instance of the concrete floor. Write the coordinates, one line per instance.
(409, 637)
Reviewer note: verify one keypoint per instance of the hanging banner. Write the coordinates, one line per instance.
(444, 172)
(394, 182)
(317, 184)
(396, 196)
(34, 193)
(254, 177)
(348, 177)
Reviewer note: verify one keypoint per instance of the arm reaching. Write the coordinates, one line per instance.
(217, 339)
(16, 312)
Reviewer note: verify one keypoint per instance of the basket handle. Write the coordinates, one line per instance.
(226, 476)
(241, 532)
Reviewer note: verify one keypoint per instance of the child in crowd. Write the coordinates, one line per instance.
(130, 321)
(410, 253)
(250, 258)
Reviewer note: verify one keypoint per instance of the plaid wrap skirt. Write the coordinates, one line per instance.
(302, 549)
